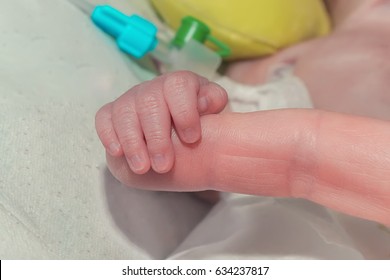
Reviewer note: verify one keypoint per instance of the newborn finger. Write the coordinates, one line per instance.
(128, 129)
(212, 98)
(155, 120)
(181, 94)
(106, 132)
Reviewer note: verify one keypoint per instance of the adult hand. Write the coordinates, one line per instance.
(339, 161)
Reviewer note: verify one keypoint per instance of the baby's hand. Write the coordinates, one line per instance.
(139, 123)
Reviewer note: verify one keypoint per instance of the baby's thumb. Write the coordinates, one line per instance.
(212, 99)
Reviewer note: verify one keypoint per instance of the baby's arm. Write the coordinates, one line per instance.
(139, 123)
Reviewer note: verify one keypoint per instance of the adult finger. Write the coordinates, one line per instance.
(340, 161)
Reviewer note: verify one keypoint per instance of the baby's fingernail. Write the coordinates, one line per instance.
(114, 148)
(159, 162)
(136, 163)
(190, 135)
(202, 104)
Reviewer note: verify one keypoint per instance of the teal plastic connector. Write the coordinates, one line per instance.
(134, 34)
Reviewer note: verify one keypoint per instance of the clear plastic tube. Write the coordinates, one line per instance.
(83, 5)
(193, 56)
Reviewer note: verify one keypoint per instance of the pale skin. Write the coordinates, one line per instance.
(169, 134)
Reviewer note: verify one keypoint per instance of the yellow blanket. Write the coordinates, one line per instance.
(251, 27)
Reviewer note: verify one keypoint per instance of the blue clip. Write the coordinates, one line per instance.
(134, 34)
